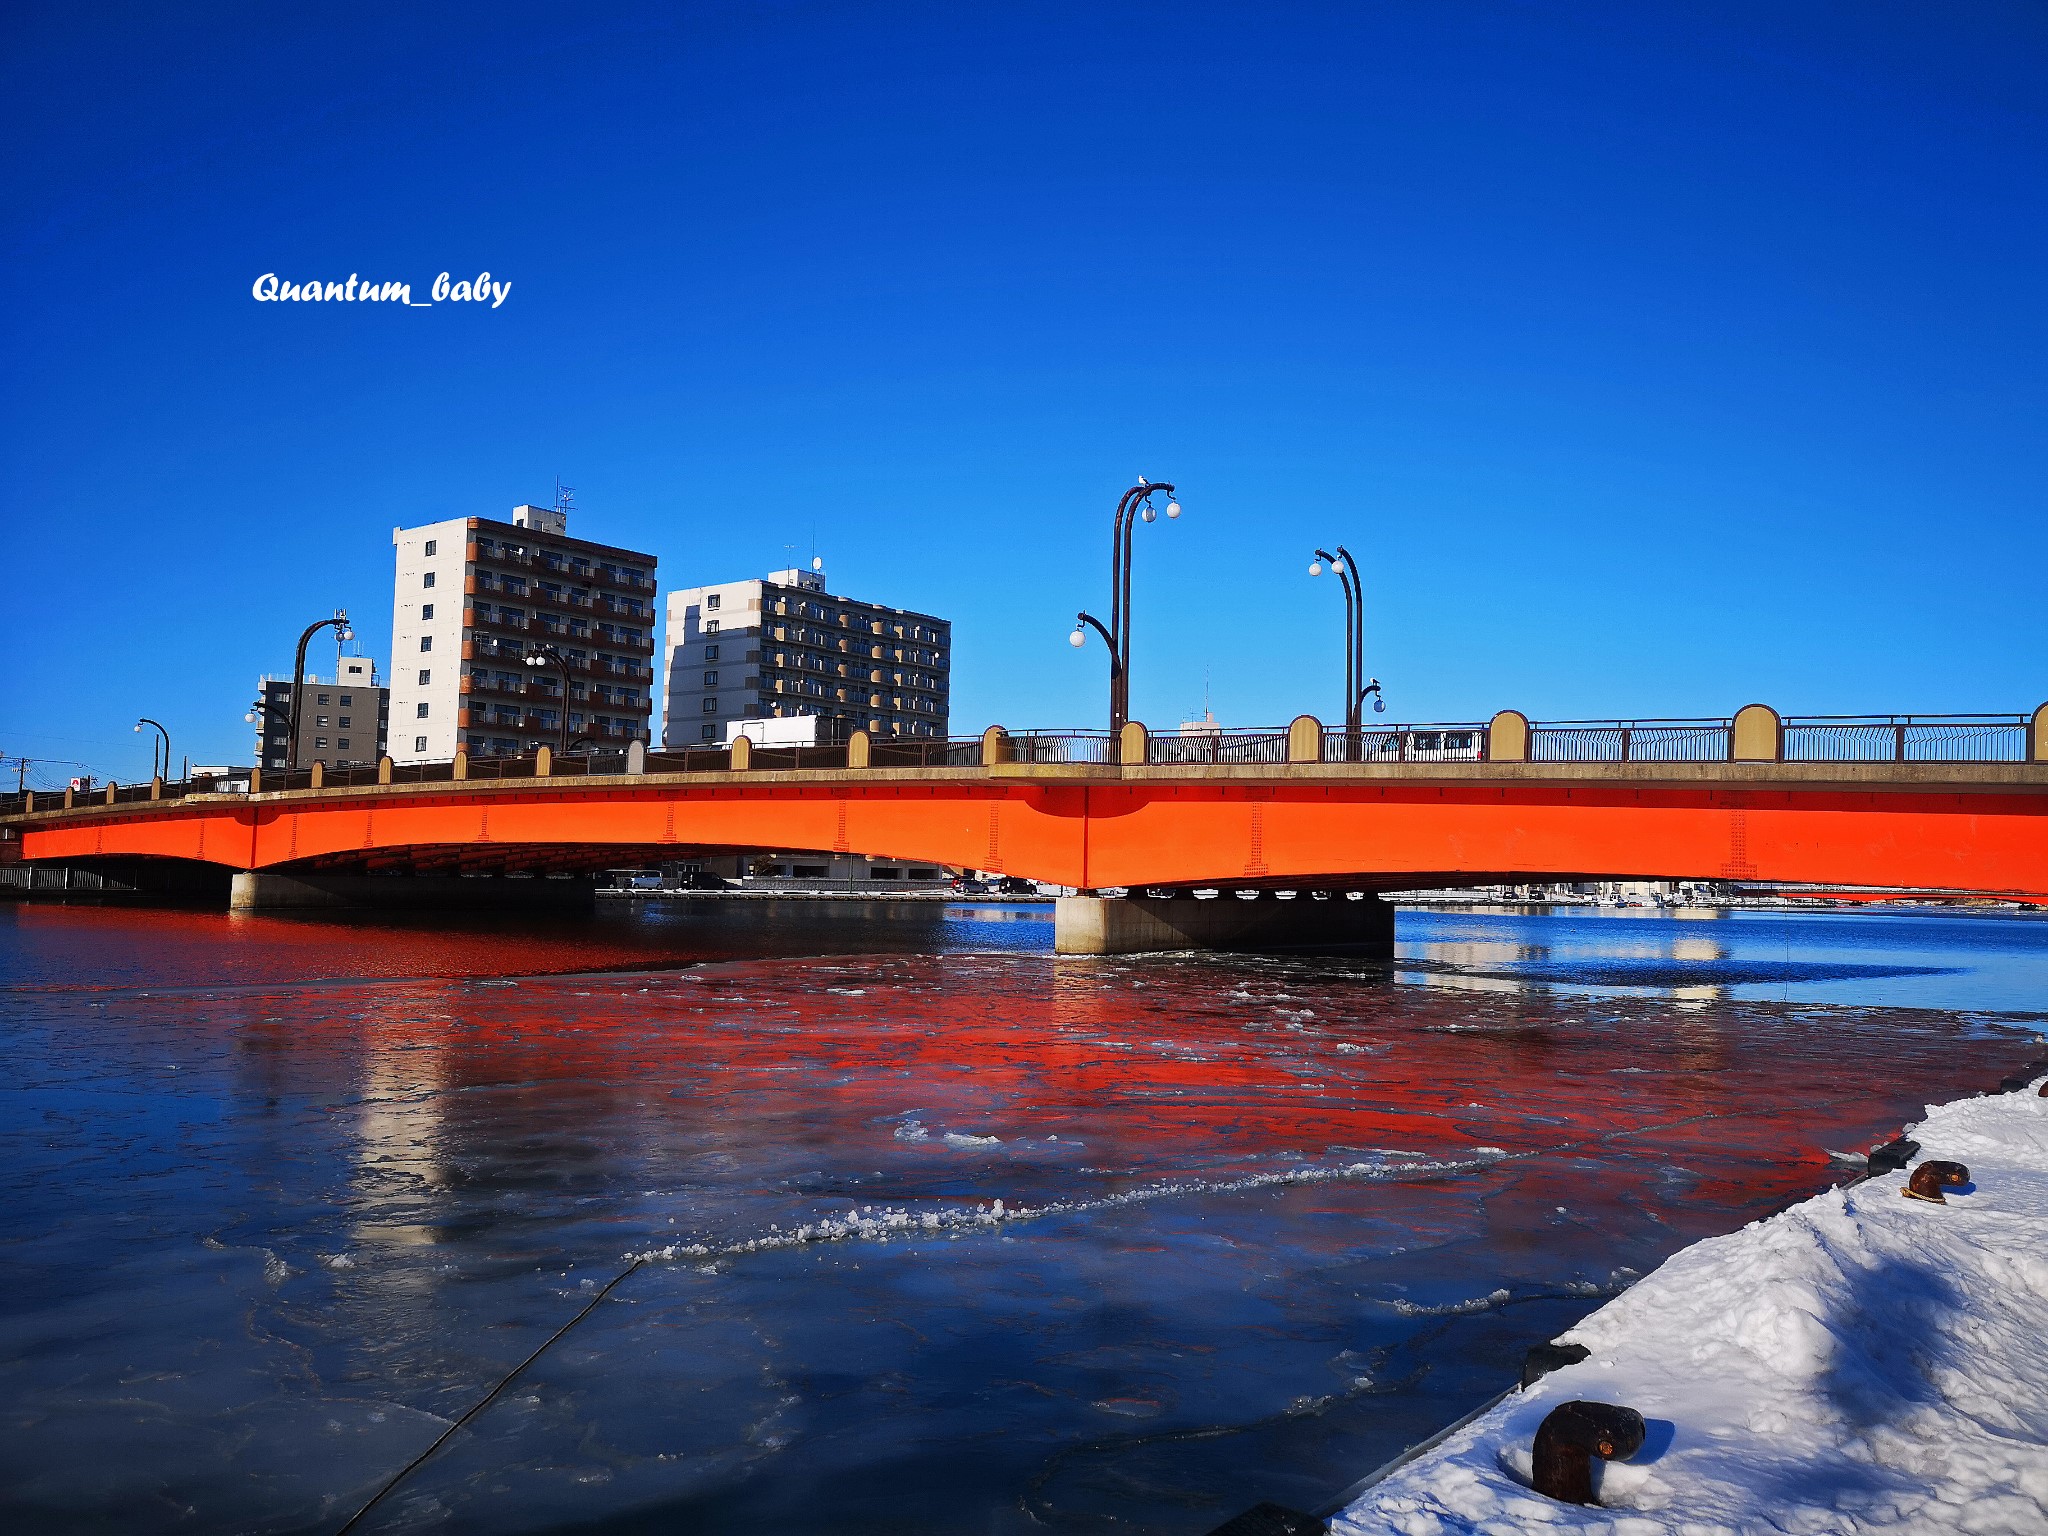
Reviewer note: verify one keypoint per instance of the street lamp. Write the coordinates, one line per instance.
(548, 656)
(1345, 569)
(339, 624)
(1135, 506)
(145, 720)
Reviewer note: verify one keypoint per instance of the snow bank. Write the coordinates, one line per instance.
(1859, 1363)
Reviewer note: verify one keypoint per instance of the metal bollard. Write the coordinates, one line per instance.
(1568, 1439)
(1933, 1176)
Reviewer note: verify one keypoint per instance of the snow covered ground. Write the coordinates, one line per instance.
(1860, 1363)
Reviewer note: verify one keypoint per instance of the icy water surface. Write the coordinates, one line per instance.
(921, 1229)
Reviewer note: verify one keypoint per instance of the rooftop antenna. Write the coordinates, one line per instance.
(565, 496)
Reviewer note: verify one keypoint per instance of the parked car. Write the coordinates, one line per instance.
(962, 886)
(1016, 885)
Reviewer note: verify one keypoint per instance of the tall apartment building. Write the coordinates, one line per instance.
(783, 645)
(474, 596)
(341, 725)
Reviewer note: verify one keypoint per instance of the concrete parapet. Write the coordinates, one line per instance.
(1133, 744)
(1305, 739)
(996, 747)
(544, 763)
(1129, 925)
(1507, 737)
(1758, 735)
(2037, 736)
(742, 753)
(258, 890)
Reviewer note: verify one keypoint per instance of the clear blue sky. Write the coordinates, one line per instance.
(1664, 357)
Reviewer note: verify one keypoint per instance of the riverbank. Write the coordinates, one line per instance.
(1859, 1362)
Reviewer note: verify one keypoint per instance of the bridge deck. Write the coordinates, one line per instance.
(1980, 827)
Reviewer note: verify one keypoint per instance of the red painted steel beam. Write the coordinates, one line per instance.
(1156, 831)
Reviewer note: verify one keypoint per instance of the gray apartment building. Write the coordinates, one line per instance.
(342, 724)
(783, 646)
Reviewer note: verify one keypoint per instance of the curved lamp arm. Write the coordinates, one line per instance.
(1116, 666)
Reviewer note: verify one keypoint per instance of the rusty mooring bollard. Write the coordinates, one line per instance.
(1568, 1439)
(1931, 1177)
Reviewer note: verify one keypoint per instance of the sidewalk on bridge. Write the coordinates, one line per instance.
(1860, 1362)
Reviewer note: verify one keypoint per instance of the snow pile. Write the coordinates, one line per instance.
(1859, 1363)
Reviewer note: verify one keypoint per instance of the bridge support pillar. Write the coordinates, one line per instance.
(1129, 925)
(257, 890)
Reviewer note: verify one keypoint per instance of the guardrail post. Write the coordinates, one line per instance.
(318, 778)
(459, 769)
(996, 747)
(859, 749)
(544, 763)
(636, 756)
(1134, 743)
(742, 753)
(156, 789)
(2037, 736)
(1507, 737)
(384, 770)
(1305, 739)
(1756, 735)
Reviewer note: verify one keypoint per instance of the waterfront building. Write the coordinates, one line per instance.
(783, 646)
(342, 724)
(473, 597)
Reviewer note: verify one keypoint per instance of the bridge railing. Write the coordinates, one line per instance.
(1205, 746)
(1405, 744)
(1630, 741)
(956, 752)
(1907, 738)
(1062, 747)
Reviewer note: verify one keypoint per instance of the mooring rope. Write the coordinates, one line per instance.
(486, 1400)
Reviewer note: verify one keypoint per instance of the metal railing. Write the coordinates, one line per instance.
(1406, 744)
(1267, 746)
(1630, 741)
(1906, 739)
(1985, 738)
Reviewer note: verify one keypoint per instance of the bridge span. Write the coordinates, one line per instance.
(1302, 809)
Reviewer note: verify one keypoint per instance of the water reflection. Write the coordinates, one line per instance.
(1262, 1221)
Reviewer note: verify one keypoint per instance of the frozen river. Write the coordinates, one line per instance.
(908, 1225)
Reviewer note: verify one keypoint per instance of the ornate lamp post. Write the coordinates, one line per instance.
(339, 624)
(548, 656)
(1135, 507)
(1356, 691)
(153, 773)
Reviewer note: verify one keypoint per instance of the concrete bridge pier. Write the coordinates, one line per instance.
(259, 890)
(1130, 925)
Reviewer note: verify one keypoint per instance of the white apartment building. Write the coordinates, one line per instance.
(783, 646)
(473, 597)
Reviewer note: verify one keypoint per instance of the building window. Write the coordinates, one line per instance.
(710, 679)
(341, 743)
(427, 580)
(711, 602)
(711, 653)
(320, 720)
(319, 741)
(433, 546)
(419, 743)
(711, 706)
(711, 626)
(343, 722)
(323, 698)
(426, 611)
(426, 677)
(710, 731)
(426, 642)
(420, 710)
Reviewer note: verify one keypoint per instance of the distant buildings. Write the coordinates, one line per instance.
(342, 723)
(783, 646)
(474, 596)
